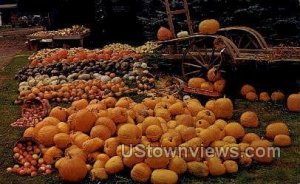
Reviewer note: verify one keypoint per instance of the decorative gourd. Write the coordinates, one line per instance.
(251, 96)
(235, 130)
(198, 169)
(263, 146)
(59, 113)
(209, 26)
(99, 174)
(213, 75)
(45, 135)
(250, 137)
(231, 166)
(164, 34)
(249, 119)
(159, 176)
(114, 165)
(72, 170)
(52, 154)
(100, 131)
(182, 34)
(223, 108)
(62, 140)
(293, 102)
(282, 140)
(264, 96)
(129, 134)
(178, 165)
(141, 172)
(277, 96)
(206, 115)
(219, 85)
(246, 89)
(83, 121)
(216, 168)
(195, 82)
(276, 128)
(154, 132)
(110, 146)
(92, 145)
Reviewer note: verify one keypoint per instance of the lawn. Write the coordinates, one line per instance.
(283, 170)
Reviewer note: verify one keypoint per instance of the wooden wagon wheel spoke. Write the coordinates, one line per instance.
(194, 72)
(196, 59)
(189, 64)
(240, 41)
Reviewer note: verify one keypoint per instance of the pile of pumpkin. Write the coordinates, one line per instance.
(146, 48)
(214, 82)
(89, 137)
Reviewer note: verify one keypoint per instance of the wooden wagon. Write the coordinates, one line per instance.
(199, 53)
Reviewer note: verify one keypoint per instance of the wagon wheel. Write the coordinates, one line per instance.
(199, 57)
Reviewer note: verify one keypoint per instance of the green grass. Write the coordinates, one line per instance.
(283, 170)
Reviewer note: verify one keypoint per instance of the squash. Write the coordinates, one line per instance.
(163, 113)
(194, 107)
(195, 82)
(251, 96)
(110, 102)
(198, 169)
(166, 176)
(52, 154)
(264, 96)
(118, 114)
(249, 119)
(164, 34)
(72, 170)
(293, 102)
(92, 145)
(176, 108)
(155, 161)
(223, 108)
(83, 121)
(46, 134)
(277, 96)
(219, 85)
(231, 166)
(220, 123)
(62, 140)
(100, 131)
(213, 75)
(182, 34)
(59, 113)
(185, 119)
(141, 172)
(202, 124)
(276, 128)
(209, 26)
(178, 165)
(154, 132)
(170, 139)
(188, 133)
(250, 137)
(282, 140)
(235, 130)
(29, 132)
(80, 139)
(129, 134)
(229, 139)
(261, 151)
(206, 115)
(114, 165)
(216, 168)
(63, 127)
(110, 146)
(246, 89)
(80, 104)
(207, 86)
(76, 152)
(133, 157)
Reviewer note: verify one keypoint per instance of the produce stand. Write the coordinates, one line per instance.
(64, 39)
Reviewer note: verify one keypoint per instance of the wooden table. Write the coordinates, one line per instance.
(80, 38)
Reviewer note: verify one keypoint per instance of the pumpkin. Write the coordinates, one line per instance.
(207, 86)
(159, 176)
(202, 124)
(264, 96)
(209, 26)
(243, 146)
(110, 146)
(219, 85)
(293, 102)
(220, 123)
(118, 114)
(223, 108)
(150, 102)
(100, 163)
(194, 107)
(52, 154)
(110, 102)
(277, 96)
(218, 144)
(148, 122)
(59, 113)
(206, 115)
(29, 132)
(50, 121)
(114, 165)
(74, 151)
(261, 152)
(72, 170)
(100, 131)
(92, 145)
(163, 113)
(157, 162)
(58, 162)
(80, 104)
(246, 89)
(282, 140)
(245, 160)
(250, 137)
(249, 119)
(188, 133)
(124, 102)
(132, 157)
(198, 169)
(63, 127)
(154, 132)
(80, 139)
(235, 130)
(62, 140)
(164, 34)
(216, 168)
(92, 157)
(170, 139)
(251, 96)
(83, 121)
(207, 136)
(229, 139)
(96, 108)
(185, 119)
(176, 108)
(99, 174)
(178, 165)
(129, 134)
(231, 166)
(195, 82)
(141, 172)
(276, 128)
(213, 75)
(46, 134)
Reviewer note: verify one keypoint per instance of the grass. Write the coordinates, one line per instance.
(286, 169)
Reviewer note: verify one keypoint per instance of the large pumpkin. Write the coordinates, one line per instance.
(209, 26)
(235, 130)
(46, 134)
(276, 128)
(213, 75)
(261, 151)
(293, 102)
(72, 169)
(249, 119)
(195, 82)
(83, 121)
(223, 108)
(164, 34)
(277, 96)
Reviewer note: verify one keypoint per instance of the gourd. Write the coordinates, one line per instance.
(209, 26)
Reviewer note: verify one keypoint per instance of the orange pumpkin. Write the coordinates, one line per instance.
(209, 26)
(164, 34)
(293, 102)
